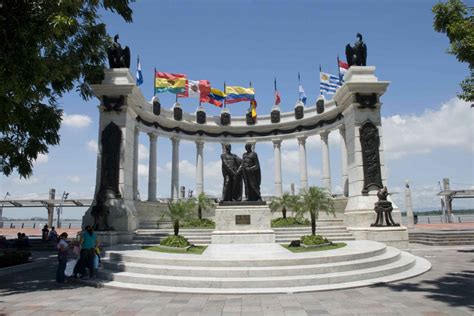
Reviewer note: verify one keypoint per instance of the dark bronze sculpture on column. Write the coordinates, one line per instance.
(251, 173)
(357, 54)
(232, 188)
(383, 207)
(118, 57)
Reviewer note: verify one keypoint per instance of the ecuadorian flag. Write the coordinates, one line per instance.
(238, 94)
(168, 82)
(216, 97)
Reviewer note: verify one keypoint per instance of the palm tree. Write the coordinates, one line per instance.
(180, 210)
(203, 203)
(314, 200)
(283, 202)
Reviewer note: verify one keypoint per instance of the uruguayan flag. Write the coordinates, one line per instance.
(139, 73)
(302, 95)
(329, 83)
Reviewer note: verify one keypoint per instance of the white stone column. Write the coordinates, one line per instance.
(135, 164)
(152, 168)
(409, 206)
(277, 152)
(326, 165)
(303, 166)
(175, 168)
(199, 167)
(345, 182)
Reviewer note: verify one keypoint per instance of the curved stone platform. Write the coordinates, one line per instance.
(258, 268)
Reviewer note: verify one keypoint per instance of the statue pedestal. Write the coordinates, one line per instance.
(243, 224)
(394, 236)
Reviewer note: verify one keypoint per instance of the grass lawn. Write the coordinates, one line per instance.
(195, 250)
(303, 249)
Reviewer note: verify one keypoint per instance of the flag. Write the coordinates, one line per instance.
(168, 82)
(253, 105)
(343, 67)
(139, 73)
(277, 94)
(302, 95)
(215, 97)
(196, 89)
(236, 94)
(329, 83)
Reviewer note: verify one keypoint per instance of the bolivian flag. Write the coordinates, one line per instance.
(168, 82)
(238, 94)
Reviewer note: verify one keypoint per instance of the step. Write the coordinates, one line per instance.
(421, 266)
(154, 269)
(405, 262)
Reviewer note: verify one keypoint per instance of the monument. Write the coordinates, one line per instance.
(240, 221)
(357, 55)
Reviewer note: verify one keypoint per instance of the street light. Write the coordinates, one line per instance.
(60, 208)
(1, 209)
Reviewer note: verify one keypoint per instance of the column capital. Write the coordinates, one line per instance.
(324, 135)
(276, 142)
(302, 139)
(342, 129)
(199, 142)
(175, 140)
(153, 136)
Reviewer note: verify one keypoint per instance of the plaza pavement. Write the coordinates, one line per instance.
(448, 289)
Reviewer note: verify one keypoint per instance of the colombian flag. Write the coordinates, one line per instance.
(238, 94)
(168, 82)
(215, 97)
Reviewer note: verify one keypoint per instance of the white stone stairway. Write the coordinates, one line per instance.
(258, 268)
(332, 229)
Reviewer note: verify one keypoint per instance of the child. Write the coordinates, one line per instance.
(62, 257)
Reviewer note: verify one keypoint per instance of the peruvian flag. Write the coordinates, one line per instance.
(196, 89)
(343, 67)
(277, 97)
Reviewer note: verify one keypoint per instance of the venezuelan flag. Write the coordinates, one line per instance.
(238, 94)
(168, 82)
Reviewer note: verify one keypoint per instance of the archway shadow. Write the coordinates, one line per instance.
(455, 289)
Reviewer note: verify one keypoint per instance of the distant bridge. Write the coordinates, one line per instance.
(48, 203)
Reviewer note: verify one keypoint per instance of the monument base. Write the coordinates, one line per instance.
(395, 236)
(240, 223)
(108, 238)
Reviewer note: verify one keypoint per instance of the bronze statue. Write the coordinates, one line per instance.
(383, 207)
(252, 176)
(118, 57)
(357, 55)
(231, 163)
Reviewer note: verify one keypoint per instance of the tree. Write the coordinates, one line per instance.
(313, 201)
(283, 202)
(179, 210)
(456, 20)
(203, 203)
(48, 48)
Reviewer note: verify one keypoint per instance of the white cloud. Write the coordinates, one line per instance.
(74, 179)
(28, 181)
(92, 146)
(142, 152)
(42, 158)
(76, 120)
(186, 169)
(142, 170)
(450, 126)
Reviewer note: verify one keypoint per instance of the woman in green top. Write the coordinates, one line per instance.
(88, 243)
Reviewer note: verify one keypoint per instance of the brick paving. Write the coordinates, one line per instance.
(448, 289)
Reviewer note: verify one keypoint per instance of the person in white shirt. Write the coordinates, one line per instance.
(63, 246)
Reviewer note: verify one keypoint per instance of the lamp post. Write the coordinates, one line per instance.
(60, 208)
(1, 209)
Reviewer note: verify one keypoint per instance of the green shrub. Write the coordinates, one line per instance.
(199, 223)
(175, 241)
(290, 221)
(314, 240)
(14, 257)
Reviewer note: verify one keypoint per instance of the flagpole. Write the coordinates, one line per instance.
(320, 91)
(225, 98)
(154, 82)
(338, 69)
(299, 84)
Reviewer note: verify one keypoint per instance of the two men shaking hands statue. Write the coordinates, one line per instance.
(234, 170)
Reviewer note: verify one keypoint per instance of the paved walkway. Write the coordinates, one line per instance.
(448, 289)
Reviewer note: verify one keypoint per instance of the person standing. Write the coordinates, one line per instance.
(45, 233)
(88, 242)
(63, 247)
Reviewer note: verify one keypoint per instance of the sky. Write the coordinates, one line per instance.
(428, 132)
